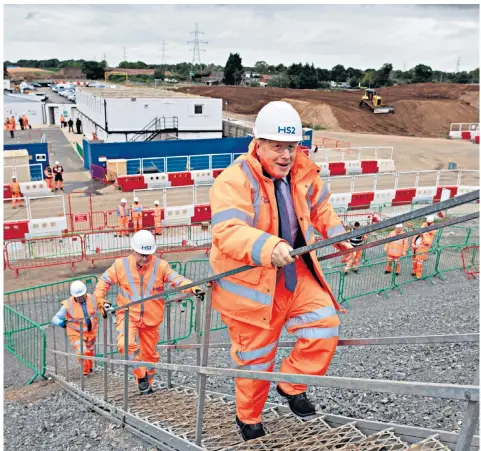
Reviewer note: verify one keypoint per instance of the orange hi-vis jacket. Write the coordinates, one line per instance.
(424, 244)
(75, 311)
(134, 284)
(15, 187)
(123, 211)
(396, 249)
(245, 232)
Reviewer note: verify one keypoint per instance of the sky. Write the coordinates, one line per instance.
(360, 36)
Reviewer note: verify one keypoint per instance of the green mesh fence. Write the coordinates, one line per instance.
(449, 259)
(429, 269)
(26, 340)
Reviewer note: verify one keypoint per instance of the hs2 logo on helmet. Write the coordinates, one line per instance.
(287, 130)
(146, 248)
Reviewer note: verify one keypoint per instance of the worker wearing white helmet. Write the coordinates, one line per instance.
(58, 172)
(140, 275)
(157, 218)
(123, 213)
(16, 192)
(80, 306)
(136, 214)
(269, 202)
(395, 250)
(420, 245)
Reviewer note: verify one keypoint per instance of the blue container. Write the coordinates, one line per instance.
(452, 165)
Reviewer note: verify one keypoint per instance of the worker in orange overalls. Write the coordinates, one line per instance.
(123, 212)
(355, 242)
(157, 218)
(138, 276)
(62, 121)
(16, 193)
(10, 126)
(25, 121)
(48, 176)
(58, 172)
(395, 250)
(136, 214)
(79, 306)
(421, 244)
(265, 204)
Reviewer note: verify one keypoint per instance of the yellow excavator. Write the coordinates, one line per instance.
(372, 102)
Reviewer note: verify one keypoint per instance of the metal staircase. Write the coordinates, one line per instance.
(156, 127)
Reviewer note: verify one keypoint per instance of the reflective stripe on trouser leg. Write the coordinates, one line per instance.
(389, 264)
(253, 349)
(134, 348)
(149, 337)
(313, 320)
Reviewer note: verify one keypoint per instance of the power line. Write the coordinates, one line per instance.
(196, 50)
(163, 57)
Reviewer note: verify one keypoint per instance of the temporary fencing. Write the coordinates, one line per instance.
(470, 257)
(27, 310)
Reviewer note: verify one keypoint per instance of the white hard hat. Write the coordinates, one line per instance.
(123, 200)
(136, 199)
(77, 288)
(399, 226)
(278, 121)
(430, 218)
(57, 162)
(143, 242)
(14, 177)
(156, 202)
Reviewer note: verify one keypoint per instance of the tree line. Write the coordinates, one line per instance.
(297, 76)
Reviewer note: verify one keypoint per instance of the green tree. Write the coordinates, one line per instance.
(279, 81)
(474, 75)
(381, 76)
(233, 70)
(422, 74)
(94, 70)
(323, 74)
(280, 68)
(159, 74)
(308, 77)
(261, 67)
(338, 73)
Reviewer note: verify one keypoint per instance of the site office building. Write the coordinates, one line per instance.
(118, 115)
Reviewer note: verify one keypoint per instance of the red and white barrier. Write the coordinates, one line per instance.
(464, 130)
(353, 167)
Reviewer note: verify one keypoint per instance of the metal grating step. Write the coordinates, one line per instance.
(174, 410)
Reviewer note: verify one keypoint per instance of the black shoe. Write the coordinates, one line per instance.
(413, 274)
(299, 404)
(355, 270)
(250, 431)
(148, 392)
(387, 272)
(144, 385)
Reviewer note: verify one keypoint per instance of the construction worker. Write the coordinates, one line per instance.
(10, 126)
(48, 176)
(123, 212)
(157, 218)
(62, 121)
(58, 172)
(395, 250)
(420, 245)
(79, 306)
(16, 193)
(136, 214)
(265, 204)
(138, 276)
(25, 121)
(356, 256)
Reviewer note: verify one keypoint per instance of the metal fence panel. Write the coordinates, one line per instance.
(25, 340)
(449, 259)
(406, 275)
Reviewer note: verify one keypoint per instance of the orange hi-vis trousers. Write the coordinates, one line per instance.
(145, 349)
(418, 261)
(390, 262)
(123, 226)
(88, 346)
(309, 314)
(49, 181)
(16, 199)
(137, 221)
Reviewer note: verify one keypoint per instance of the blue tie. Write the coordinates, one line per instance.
(290, 278)
(86, 314)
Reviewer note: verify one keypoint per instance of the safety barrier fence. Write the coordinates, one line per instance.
(470, 257)
(340, 153)
(32, 308)
(71, 249)
(98, 173)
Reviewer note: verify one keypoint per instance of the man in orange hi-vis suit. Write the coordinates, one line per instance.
(139, 276)
(123, 212)
(16, 193)
(395, 250)
(79, 306)
(420, 246)
(157, 218)
(266, 203)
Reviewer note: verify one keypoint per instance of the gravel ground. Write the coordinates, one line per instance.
(59, 422)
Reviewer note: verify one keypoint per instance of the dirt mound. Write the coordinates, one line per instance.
(319, 114)
(420, 109)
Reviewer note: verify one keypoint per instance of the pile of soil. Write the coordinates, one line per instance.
(425, 110)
